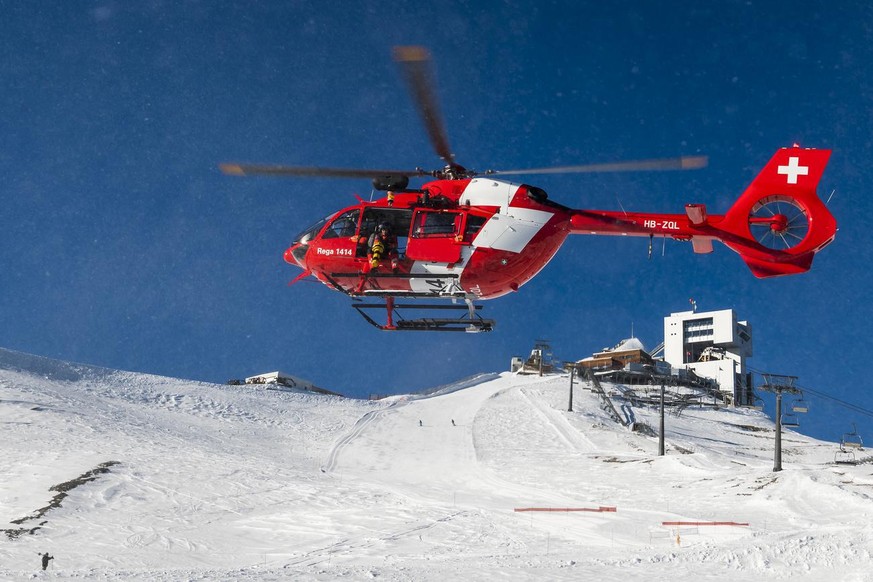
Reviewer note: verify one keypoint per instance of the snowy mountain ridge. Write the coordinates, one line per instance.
(170, 479)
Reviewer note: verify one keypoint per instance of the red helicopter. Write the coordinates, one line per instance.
(466, 236)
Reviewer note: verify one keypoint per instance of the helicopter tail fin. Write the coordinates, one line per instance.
(779, 223)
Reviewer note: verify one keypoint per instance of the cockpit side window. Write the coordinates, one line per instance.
(343, 225)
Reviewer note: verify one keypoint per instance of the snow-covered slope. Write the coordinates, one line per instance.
(178, 480)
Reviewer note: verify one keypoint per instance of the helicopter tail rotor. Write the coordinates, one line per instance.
(779, 223)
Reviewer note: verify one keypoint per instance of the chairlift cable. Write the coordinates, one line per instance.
(845, 404)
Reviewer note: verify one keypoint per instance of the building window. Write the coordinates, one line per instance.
(698, 329)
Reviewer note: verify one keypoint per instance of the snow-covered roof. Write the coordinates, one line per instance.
(630, 343)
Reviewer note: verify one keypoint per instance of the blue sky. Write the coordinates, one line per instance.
(125, 247)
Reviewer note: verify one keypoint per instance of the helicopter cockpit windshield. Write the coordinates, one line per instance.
(310, 233)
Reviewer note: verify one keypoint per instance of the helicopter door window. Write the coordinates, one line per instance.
(435, 236)
(474, 225)
(343, 226)
(435, 224)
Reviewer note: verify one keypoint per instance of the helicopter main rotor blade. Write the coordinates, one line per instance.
(415, 62)
(261, 170)
(681, 163)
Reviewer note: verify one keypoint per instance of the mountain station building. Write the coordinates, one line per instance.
(714, 344)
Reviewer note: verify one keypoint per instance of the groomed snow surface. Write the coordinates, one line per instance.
(172, 480)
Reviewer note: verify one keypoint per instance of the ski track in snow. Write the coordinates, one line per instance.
(235, 483)
(360, 426)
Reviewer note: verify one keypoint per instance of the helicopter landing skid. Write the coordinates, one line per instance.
(473, 323)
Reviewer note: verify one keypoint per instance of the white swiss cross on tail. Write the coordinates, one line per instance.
(793, 169)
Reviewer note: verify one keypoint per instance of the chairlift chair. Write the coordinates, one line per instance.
(790, 420)
(852, 440)
(800, 406)
(845, 457)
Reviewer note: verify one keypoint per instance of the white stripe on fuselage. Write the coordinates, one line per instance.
(512, 231)
(486, 192)
(509, 229)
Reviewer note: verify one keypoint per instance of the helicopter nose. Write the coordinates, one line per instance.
(296, 255)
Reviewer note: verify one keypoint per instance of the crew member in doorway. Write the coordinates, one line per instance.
(382, 246)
